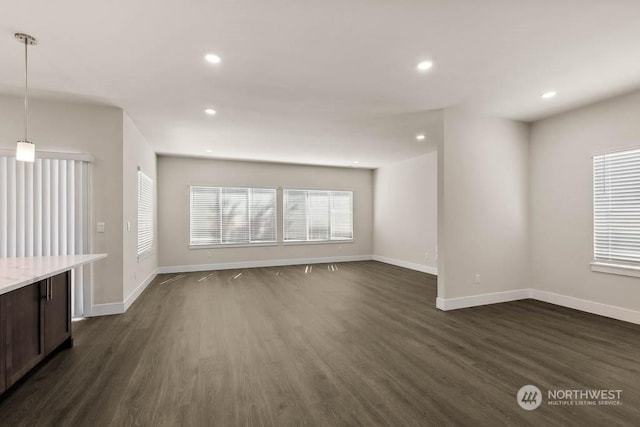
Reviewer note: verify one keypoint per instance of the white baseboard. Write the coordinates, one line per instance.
(406, 264)
(265, 263)
(481, 299)
(121, 307)
(139, 290)
(106, 309)
(593, 307)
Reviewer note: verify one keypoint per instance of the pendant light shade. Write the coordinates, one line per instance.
(25, 150)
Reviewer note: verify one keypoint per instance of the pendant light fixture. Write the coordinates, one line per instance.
(26, 151)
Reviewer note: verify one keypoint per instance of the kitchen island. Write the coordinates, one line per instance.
(35, 311)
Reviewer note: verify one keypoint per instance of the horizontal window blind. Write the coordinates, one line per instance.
(145, 214)
(315, 215)
(616, 189)
(262, 214)
(295, 215)
(341, 215)
(232, 215)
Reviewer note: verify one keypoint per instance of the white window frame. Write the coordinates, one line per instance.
(145, 210)
(308, 241)
(234, 245)
(606, 200)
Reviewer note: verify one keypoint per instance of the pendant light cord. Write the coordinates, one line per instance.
(26, 87)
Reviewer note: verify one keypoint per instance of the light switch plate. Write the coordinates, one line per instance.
(100, 227)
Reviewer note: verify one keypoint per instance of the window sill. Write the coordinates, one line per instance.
(233, 245)
(317, 242)
(612, 268)
(144, 256)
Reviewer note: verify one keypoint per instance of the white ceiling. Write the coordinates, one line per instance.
(321, 82)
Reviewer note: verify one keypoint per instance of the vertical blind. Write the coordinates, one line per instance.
(145, 214)
(232, 215)
(616, 190)
(43, 207)
(314, 215)
(44, 211)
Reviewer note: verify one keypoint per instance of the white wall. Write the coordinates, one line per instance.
(137, 152)
(81, 128)
(562, 199)
(405, 225)
(175, 174)
(482, 205)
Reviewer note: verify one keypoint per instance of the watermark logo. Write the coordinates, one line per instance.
(529, 397)
(584, 397)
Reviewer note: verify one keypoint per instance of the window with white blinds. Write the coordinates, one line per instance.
(44, 211)
(43, 207)
(232, 216)
(616, 199)
(316, 216)
(145, 214)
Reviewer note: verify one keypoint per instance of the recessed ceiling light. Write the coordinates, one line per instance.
(420, 137)
(210, 111)
(209, 150)
(424, 65)
(212, 58)
(355, 162)
(548, 95)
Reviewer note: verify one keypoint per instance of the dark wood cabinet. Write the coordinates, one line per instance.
(3, 380)
(34, 321)
(23, 330)
(57, 312)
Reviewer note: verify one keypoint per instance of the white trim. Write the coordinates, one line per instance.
(133, 296)
(587, 306)
(146, 254)
(121, 307)
(593, 307)
(233, 245)
(617, 150)
(407, 264)
(611, 268)
(316, 242)
(481, 299)
(7, 152)
(87, 290)
(265, 263)
(106, 309)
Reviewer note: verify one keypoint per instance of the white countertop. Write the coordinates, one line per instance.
(22, 271)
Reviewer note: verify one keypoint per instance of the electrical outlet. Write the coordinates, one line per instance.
(100, 227)
(426, 255)
(478, 278)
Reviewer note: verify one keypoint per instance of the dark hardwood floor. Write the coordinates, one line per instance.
(362, 345)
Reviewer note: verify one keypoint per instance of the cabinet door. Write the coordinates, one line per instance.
(3, 366)
(23, 326)
(57, 312)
